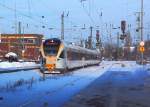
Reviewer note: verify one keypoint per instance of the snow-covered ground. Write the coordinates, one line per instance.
(17, 65)
(34, 89)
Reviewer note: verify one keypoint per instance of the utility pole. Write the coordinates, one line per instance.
(148, 35)
(111, 33)
(1, 32)
(0, 37)
(110, 36)
(98, 44)
(19, 27)
(118, 37)
(15, 17)
(142, 55)
(91, 32)
(23, 44)
(138, 20)
(62, 26)
(101, 24)
(90, 37)
(142, 20)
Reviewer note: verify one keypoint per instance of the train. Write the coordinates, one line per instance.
(56, 55)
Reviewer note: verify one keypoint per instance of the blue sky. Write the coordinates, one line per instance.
(87, 12)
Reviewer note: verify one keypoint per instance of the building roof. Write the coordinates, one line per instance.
(26, 35)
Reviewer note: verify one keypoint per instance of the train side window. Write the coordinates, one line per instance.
(62, 54)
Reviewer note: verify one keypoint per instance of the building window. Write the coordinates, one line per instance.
(31, 41)
(28, 41)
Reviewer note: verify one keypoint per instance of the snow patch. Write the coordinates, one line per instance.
(7, 65)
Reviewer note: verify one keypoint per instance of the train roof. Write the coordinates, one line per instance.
(79, 48)
(75, 47)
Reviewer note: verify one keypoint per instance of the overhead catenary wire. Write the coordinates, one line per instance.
(33, 8)
(29, 8)
(71, 22)
(22, 14)
(86, 11)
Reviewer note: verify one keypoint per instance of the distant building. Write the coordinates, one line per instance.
(147, 50)
(26, 46)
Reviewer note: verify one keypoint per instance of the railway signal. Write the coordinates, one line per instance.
(142, 49)
(123, 26)
(142, 43)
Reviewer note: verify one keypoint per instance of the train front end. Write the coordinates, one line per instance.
(50, 50)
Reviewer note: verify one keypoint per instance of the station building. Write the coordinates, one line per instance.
(26, 46)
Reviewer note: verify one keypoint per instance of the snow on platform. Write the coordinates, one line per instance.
(13, 66)
(125, 84)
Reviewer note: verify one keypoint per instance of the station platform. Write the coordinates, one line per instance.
(116, 88)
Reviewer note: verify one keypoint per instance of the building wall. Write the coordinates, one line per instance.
(147, 50)
(30, 43)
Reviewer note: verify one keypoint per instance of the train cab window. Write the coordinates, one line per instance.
(51, 50)
(51, 47)
(62, 54)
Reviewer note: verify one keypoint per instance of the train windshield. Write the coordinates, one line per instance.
(51, 47)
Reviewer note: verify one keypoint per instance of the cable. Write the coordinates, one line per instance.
(22, 14)
(33, 8)
(86, 11)
(29, 7)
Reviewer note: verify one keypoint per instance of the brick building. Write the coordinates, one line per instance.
(26, 46)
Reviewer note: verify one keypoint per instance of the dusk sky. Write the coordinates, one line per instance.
(77, 13)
